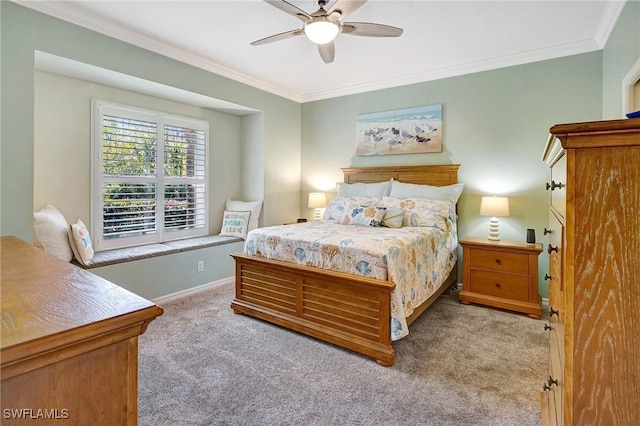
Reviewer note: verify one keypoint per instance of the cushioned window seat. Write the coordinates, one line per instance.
(129, 254)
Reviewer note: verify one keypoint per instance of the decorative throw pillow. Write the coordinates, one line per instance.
(335, 209)
(52, 232)
(81, 242)
(337, 205)
(235, 224)
(253, 207)
(423, 212)
(410, 190)
(356, 214)
(393, 217)
(364, 189)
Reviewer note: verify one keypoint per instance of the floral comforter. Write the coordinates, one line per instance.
(416, 259)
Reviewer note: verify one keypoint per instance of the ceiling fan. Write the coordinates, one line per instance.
(322, 26)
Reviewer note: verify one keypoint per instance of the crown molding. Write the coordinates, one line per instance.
(458, 70)
(610, 15)
(73, 15)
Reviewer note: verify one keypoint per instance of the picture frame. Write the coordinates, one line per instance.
(403, 131)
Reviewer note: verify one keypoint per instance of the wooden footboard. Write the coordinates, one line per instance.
(350, 311)
(347, 310)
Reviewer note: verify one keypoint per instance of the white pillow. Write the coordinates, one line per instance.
(364, 189)
(234, 224)
(410, 190)
(52, 229)
(81, 242)
(242, 206)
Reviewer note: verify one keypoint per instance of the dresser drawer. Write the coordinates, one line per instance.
(507, 286)
(500, 261)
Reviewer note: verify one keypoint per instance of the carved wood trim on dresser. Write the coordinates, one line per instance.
(594, 265)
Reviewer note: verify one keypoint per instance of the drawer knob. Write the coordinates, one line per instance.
(547, 327)
(546, 231)
(551, 248)
(553, 185)
(497, 285)
(550, 382)
(552, 311)
(547, 277)
(498, 261)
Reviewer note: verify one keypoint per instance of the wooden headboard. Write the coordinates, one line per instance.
(436, 175)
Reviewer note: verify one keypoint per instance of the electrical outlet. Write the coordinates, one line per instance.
(200, 265)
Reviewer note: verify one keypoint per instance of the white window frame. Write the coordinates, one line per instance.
(100, 108)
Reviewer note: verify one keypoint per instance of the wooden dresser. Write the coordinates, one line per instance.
(594, 274)
(69, 342)
(502, 274)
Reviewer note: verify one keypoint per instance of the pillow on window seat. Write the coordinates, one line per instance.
(242, 206)
(234, 224)
(51, 231)
(81, 243)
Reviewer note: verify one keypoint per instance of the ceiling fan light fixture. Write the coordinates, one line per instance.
(321, 31)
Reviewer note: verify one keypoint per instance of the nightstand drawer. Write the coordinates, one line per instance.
(499, 261)
(507, 286)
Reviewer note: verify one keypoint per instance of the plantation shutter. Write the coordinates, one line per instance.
(129, 154)
(185, 173)
(150, 177)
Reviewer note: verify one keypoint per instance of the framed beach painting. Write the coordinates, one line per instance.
(402, 131)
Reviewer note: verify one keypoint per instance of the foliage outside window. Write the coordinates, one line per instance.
(150, 176)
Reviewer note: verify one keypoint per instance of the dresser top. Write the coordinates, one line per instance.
(45, 298)
(588, 134)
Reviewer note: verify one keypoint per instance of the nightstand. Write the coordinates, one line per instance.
(502, 274)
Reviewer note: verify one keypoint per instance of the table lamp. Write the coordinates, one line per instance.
(494, 206)
(317, 201)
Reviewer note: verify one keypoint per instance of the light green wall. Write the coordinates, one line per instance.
(495, 125)
(619, 55)
(271, 140)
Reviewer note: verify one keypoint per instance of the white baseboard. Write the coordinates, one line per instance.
(191, 291)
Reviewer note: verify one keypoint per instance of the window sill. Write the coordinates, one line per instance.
(129, 254)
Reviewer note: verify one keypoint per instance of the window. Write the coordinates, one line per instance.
(149, 176)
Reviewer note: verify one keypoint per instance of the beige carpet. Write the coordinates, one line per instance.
(200, 364)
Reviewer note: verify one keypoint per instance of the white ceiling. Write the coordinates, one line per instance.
(440, 39)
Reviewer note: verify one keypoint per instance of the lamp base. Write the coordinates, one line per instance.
(494, 234)
(316, 214)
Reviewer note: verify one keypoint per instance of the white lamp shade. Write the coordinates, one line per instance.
(494, 206)
(321, 31)
(317, 200)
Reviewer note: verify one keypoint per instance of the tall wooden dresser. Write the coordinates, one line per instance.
(69, 351)
(594, 274)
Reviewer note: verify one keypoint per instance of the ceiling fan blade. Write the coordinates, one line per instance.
(368, 29)
(278, 37)
(290, 9)
(327, 52)
(345, 7)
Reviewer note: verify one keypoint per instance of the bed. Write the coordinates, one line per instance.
(351, 311)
